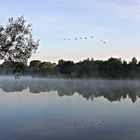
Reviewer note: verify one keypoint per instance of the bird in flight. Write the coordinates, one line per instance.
(85, 38)
(104, 42)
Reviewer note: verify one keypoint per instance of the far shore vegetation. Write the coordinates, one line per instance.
(113, 68)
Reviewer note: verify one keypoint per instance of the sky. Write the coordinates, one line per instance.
(115, 21)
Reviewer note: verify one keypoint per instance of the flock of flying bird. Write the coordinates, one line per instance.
(83, 38)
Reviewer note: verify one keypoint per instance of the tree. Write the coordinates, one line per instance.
(7, 68)
(61, 61)
(46, 68)
(133, 61)
(66, 68)
(16, 41)
(34, 67)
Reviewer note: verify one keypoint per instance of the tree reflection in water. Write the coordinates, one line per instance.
(113, 90)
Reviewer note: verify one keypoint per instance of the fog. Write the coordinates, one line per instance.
(113, 90)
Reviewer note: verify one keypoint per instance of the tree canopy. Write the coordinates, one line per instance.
(113, 68)
(16, 41)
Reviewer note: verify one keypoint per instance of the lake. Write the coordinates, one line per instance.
(58, 109)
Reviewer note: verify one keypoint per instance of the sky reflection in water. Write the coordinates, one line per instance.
(33, 109)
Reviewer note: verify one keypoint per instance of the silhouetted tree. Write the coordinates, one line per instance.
(65, 67)
(16, 42)
(46, 68)
(34, 67)
(7, 68)
(61, 61)
(113, 68)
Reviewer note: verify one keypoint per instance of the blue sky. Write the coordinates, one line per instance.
(115, 21)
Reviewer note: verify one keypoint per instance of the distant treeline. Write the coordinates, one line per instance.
(113, 68)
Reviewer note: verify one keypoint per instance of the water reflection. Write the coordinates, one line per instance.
(89, 89)
(47, 116)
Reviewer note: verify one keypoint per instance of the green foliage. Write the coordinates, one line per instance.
(113, 68)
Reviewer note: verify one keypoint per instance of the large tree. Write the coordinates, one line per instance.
(16, 41)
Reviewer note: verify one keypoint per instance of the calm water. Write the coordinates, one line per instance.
(33, 109)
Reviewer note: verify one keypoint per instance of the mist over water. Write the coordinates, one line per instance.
(113, 90)
(60, 109)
